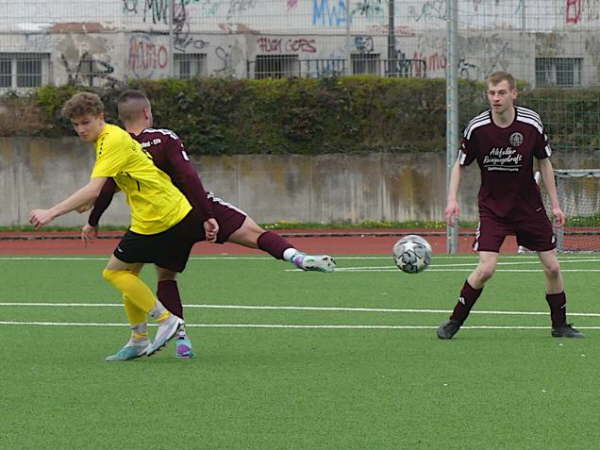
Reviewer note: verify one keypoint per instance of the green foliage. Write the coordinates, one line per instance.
(216, 116)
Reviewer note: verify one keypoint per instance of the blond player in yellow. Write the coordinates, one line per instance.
(163, 224)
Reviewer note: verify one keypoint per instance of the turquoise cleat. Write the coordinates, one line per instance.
(183, 348)
(130, 351)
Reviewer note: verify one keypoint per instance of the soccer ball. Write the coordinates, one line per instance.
(412, 254)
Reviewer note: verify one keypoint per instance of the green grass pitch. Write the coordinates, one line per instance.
(294, 360)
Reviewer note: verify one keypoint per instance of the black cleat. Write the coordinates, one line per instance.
(566, 330)
(448, 329)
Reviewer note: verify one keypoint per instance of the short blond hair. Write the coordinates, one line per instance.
(498, 77)
(81, 104)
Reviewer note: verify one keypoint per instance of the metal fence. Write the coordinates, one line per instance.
(545, 42)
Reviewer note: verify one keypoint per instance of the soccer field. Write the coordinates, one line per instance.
(297, 360)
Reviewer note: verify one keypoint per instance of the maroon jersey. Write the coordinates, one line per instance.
(505, 158)
(169, 155)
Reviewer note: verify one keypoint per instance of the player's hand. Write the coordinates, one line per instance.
(211, 228)
(452, 212)
(39, 217)
(88, 233)
(559, 217)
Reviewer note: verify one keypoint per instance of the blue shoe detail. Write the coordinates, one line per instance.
(183, 348)
(129, 352)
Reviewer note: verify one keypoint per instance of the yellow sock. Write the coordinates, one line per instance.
(132, 287)
(135, 315)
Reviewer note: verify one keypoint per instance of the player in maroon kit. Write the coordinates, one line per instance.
(504, 140)
(229, 223)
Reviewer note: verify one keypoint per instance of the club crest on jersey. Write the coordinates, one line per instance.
(516, 139)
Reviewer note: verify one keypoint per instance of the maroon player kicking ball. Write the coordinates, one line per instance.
(504, 140)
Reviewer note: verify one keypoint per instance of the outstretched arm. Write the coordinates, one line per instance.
(85, 195)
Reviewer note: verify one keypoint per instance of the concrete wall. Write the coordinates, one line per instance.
(37, 173)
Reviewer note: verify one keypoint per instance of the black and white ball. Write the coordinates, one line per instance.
(412, 254)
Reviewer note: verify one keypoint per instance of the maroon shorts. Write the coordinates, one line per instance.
(533, 232)
(228, 216)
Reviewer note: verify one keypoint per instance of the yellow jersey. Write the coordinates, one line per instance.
(156, 204)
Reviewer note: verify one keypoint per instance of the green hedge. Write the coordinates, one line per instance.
(309, 116)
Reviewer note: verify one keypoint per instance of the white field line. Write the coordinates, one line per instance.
(262, 258)
(279, 326)
(462, 270)
(292, 308)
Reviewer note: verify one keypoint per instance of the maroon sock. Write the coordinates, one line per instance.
(168, 295)
(468, 297)
(273, 244)
(558, 308)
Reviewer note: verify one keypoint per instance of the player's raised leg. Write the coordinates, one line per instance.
(555, 296)
(168, 294)
(469, 294)
(251, 235)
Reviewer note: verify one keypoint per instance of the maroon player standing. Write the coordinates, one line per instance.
(231, 224)
(504, 140)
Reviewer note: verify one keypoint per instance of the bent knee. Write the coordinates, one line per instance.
(553, 271)
(485, 272)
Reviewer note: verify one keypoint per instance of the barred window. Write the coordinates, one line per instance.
(276, 66)
(23, 70)
(190, 65)
(363, 63)
(563, 72)
(5, 72)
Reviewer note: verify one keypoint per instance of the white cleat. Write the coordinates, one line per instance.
(166, 331)
(319, 263)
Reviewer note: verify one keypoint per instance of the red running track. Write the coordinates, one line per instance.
(334, 242)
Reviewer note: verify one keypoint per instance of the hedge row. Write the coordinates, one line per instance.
(310, 116)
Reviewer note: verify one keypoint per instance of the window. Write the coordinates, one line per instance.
(190, 65)
(276, 66)
(365, 63)
(23, 70)
(558, 71)
(5, 72)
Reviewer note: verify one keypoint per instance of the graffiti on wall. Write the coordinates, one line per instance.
(183, 39)
(430, 10)
(370, 9)
(573, 11)
(363, 44)
(329, 14)
(88, 71)
(282, 45)
(579, 11)
(145, 56)
(230, 56)
(237, 7)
